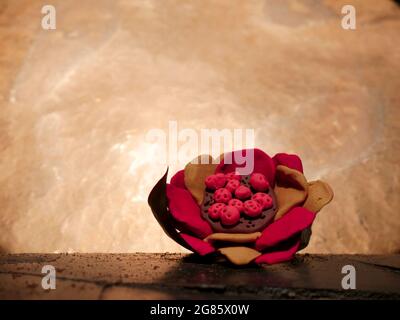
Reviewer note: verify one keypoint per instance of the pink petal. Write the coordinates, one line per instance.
(262, 163)
(199, 246)
(280, 255)
(293, 222)
(186, 212)
(178, 180)
(289, 160)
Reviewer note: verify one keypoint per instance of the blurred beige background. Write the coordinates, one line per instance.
(76, 103)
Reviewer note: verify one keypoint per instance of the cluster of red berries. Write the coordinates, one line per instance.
(233, 198)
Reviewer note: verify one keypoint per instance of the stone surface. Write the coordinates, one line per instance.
(171, 276)
(77, 102)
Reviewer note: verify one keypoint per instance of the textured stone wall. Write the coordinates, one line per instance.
(76, 103)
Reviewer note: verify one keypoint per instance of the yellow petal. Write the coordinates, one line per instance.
(196, 173)
(234, 237)
(291, 189)
(239, 255)
(319, 195)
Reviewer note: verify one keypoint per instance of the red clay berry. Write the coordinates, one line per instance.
(232, 185)
(252, 208)
(259, 182)
(263, 199)
(230, 215)
(232, 176)
(242, 192)
(220, 180)
(214, 211)
(210, 182)
(222, 195)
(237, 204)
(215, 181)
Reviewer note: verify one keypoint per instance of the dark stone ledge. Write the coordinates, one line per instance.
(172, 276)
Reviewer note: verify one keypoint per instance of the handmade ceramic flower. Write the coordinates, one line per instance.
(262, 217)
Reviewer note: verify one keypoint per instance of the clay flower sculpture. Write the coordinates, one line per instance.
(264, 217)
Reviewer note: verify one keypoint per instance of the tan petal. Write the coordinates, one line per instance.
(239, 255)
(291, 189)
(196, 173)
(234, 237)
(319, 195)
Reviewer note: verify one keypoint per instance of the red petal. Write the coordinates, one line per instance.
(294, 221)
(289, 160)
(178, 180)
(199, 246)
(186, 212)
(280, 255)
(262, 163)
